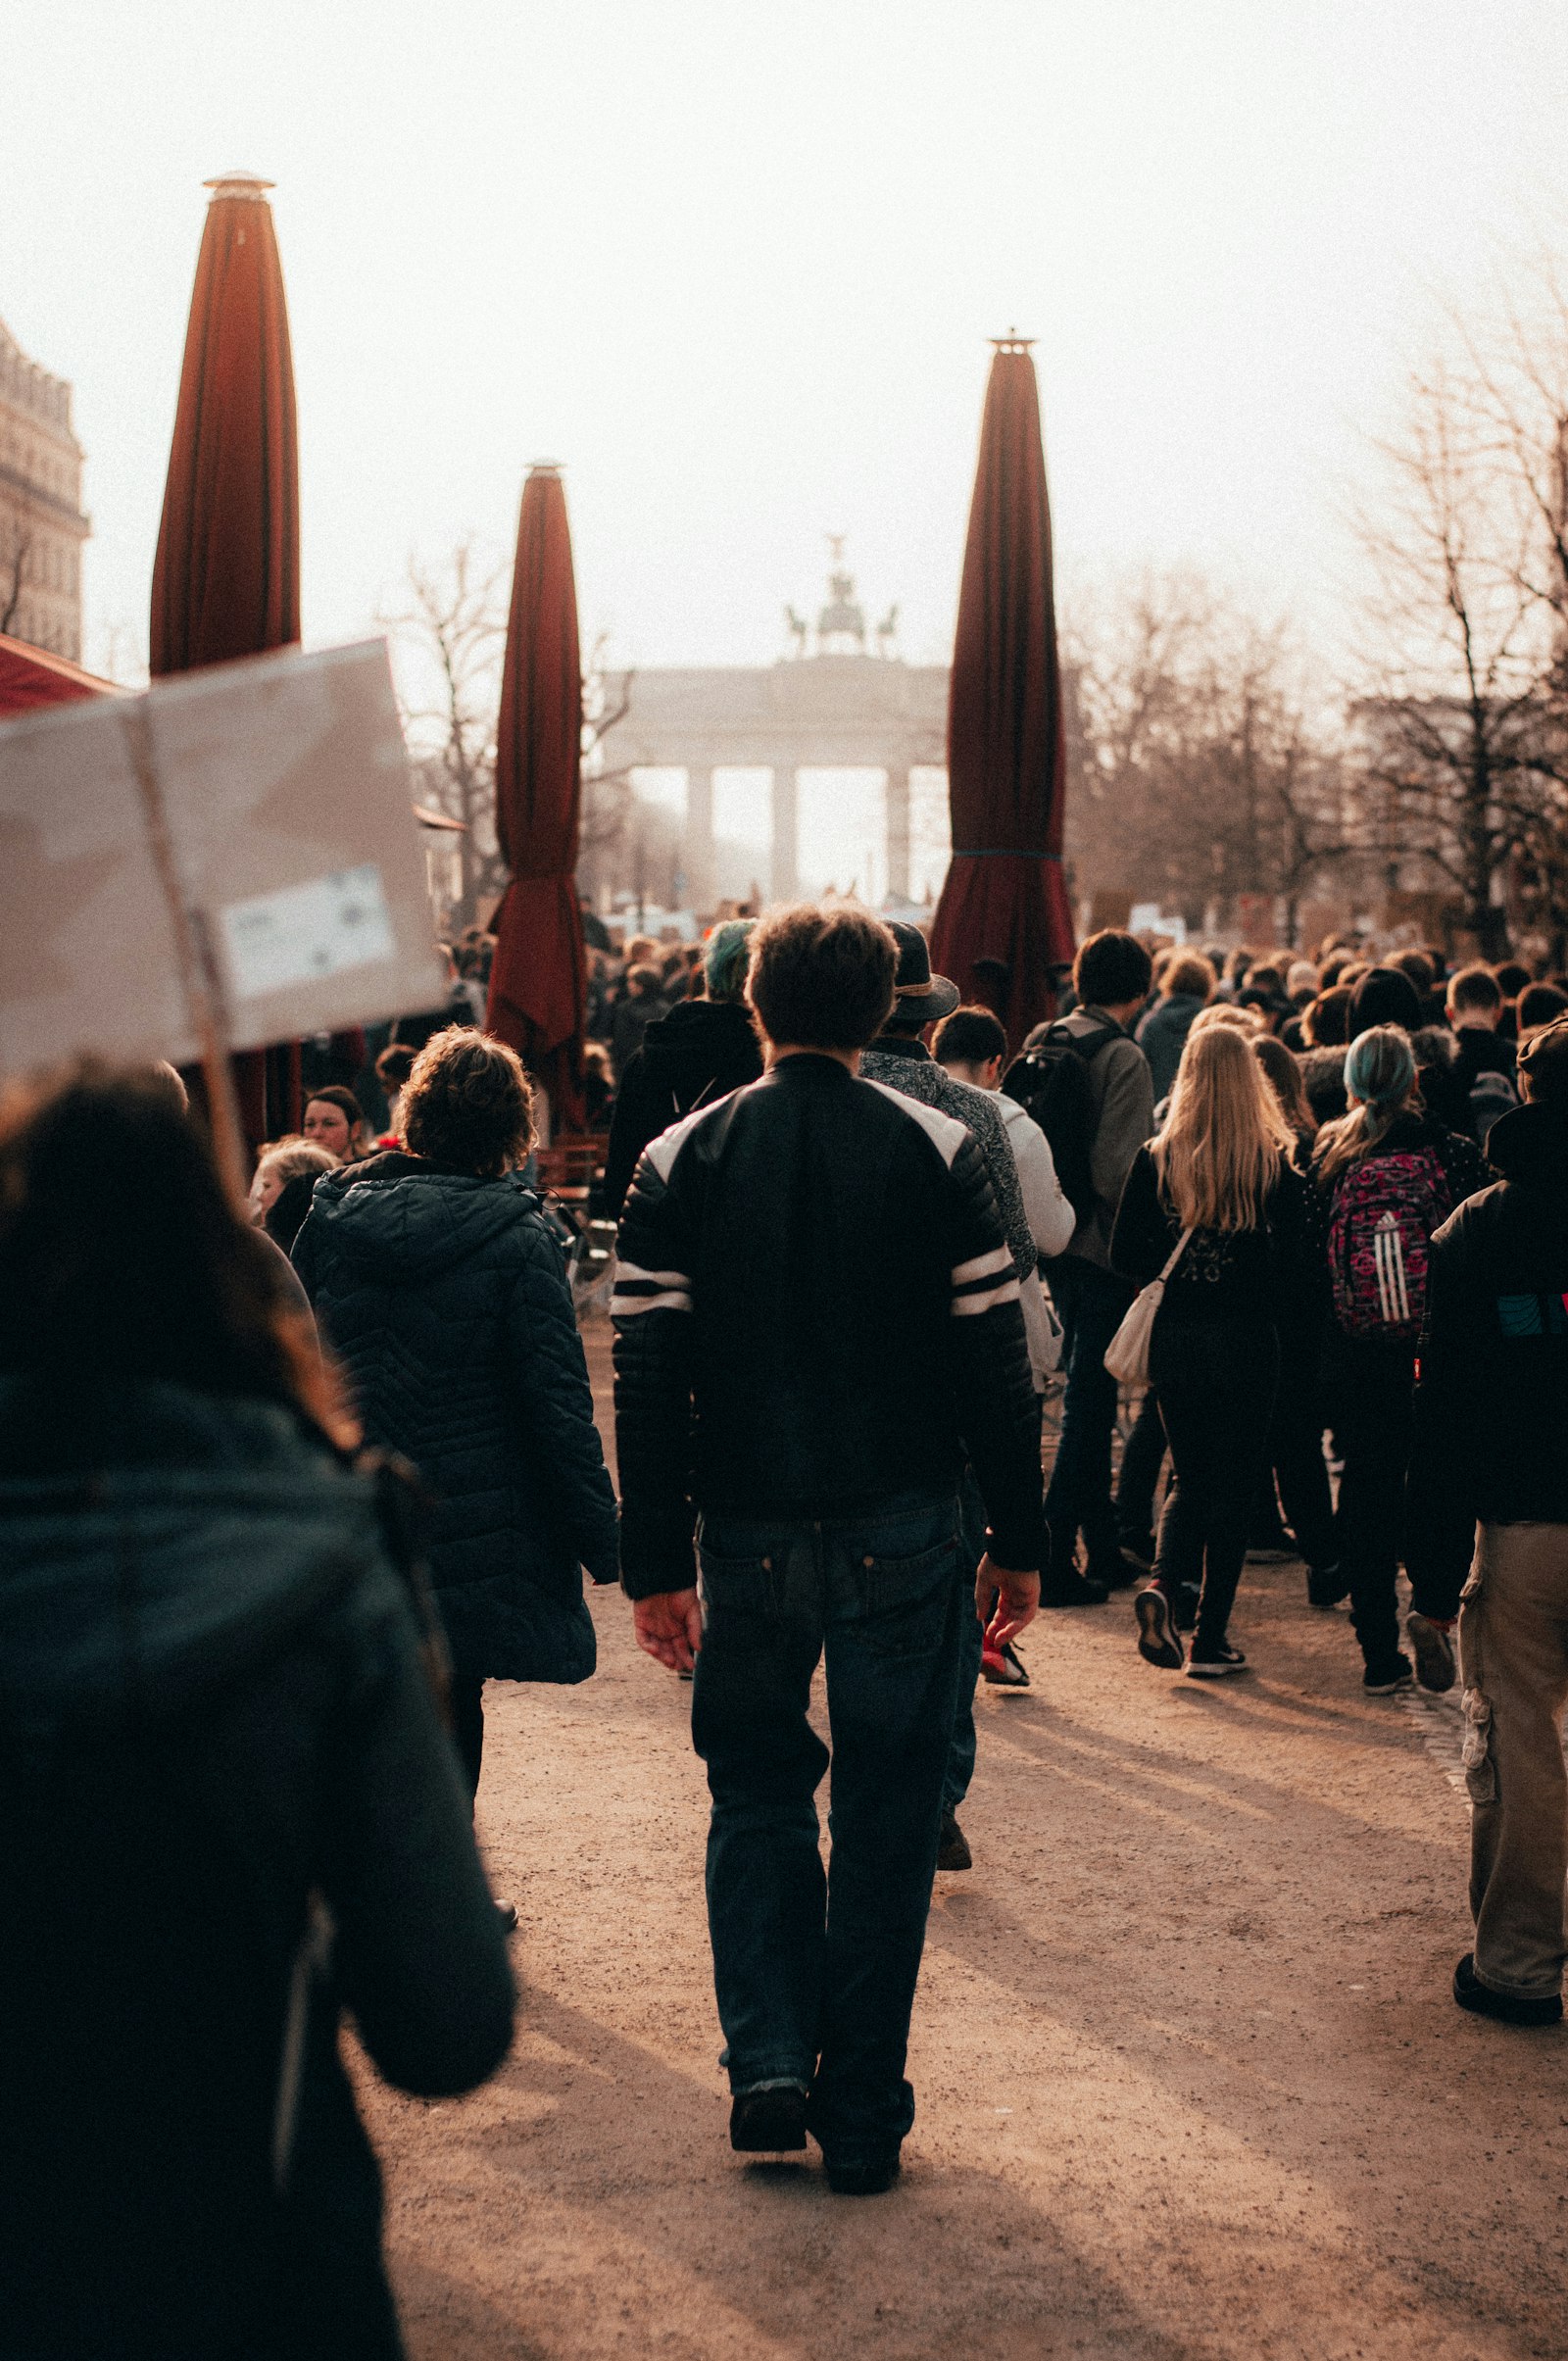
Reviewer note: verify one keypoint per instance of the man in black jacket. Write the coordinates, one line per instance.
(816, 1320)
(701, 1051)
(1491, 1420)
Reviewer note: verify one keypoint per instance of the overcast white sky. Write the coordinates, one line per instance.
(735, 262)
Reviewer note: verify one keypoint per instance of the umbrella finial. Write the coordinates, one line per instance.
(250, 185)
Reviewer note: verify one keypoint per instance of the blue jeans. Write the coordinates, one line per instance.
(971, 1643)
(1090, 1304)
(816, 1972)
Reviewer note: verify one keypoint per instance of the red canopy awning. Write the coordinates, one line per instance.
(538, 982)
(30, 676)
(227, 576)
(1004, 920)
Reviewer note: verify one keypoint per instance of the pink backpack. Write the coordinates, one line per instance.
(1386, 1209)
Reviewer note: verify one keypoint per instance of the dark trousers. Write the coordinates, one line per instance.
(1372, 1387)
(1297, 1446)
(468, 1726)
(1216, 1395)
(1142, 1455)
(1090, 1304)
(816, 1972)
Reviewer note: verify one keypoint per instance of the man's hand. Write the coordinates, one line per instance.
(1014, 1597)
(669, 1626)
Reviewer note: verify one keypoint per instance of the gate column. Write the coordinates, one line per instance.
(698, 847)
(897, 833)
(784, 878)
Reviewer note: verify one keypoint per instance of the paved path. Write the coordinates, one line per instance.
(1189, 2080)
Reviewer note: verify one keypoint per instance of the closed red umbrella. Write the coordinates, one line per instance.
(1004, 921)
(538, 982)
(227, 576)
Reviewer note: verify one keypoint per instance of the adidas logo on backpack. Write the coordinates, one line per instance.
(1386, 1211)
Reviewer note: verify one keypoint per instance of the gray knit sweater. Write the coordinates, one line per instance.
(906, 1065)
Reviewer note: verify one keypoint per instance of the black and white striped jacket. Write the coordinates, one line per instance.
(815, 1311)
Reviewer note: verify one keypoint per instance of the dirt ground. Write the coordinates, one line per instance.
(1188, 2076)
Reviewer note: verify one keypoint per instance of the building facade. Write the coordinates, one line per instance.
(42, 526)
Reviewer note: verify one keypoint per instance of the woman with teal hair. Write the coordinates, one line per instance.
(701, 1051)
(1390, 1177)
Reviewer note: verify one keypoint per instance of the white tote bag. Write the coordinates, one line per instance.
(1127, 1354)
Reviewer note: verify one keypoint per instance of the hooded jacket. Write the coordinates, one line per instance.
(698, 1053)
(1492, 1391)
(211, 1705)
(1163, 1032)
(446, 1297)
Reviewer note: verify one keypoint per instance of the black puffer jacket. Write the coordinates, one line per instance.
(211, 1705)
(1492, 1391)
(701, 1051)
(446, 1299)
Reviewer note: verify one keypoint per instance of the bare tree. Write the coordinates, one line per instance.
(452, 635)
(1451, 709)
(1516, 385)
(608, 794)
(15, 549)
(1211, 769)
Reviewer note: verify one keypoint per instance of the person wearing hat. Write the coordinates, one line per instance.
(1487, 1517)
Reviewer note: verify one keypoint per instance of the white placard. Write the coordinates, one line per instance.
(301, 932)
(286, 831)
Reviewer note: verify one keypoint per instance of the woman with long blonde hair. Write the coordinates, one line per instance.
(1218, 1178)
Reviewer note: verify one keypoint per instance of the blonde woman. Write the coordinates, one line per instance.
(1220, 1171)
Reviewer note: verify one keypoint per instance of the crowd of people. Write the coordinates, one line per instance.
(284, 1486)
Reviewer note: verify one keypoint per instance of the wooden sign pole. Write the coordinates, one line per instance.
(199, 975)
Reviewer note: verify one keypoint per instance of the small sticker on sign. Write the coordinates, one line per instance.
(306, 931)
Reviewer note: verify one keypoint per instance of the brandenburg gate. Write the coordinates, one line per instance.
(833, 704)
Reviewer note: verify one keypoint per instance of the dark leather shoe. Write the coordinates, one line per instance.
(507, 1912)
(953, 1849)
(1509, 2008)
(861, 2180)
(768, 2123)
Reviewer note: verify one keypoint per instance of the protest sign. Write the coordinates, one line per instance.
(228, 860)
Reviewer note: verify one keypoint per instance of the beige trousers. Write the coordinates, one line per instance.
(1513, 1653)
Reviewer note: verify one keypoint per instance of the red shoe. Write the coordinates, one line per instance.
(1003, 1666)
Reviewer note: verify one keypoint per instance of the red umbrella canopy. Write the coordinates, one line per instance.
(538, 982)
(227, 576)
(1003, 918)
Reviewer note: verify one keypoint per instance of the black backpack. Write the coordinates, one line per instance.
(1050, 1083)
